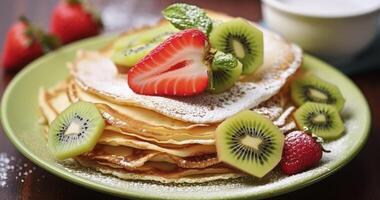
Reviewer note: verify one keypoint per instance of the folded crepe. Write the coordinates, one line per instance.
(97, 74)
(170, 139)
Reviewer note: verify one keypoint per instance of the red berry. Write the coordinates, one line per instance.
(176, 67)
(19, 47)
(301, 152)
(71, 21)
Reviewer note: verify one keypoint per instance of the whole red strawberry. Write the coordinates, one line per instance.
(24, 43)
(177, 67)
(71, 21)
(301, 152)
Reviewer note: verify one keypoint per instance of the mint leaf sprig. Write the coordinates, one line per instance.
(184, 16)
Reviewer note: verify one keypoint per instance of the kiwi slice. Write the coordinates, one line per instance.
(241, 39)
(249, 142)
(226, 70)
(311, 88)
(130, 56)
(145, 36)
(321, 119)
(75, 131)
(137, 49)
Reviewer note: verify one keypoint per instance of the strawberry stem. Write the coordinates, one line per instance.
(48, 42)
(73, 2)
(317, 139)
(306, 130)
(23, 19)
(325, 150)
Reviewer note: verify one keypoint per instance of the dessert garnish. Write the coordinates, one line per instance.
(302, 151)
(192, 99)
(321, 119)
(176, 67)
(173, 73)
(184, 16)
(75, 131)
(242, 40)
(314, 89)
(249, 142)
(226, 70)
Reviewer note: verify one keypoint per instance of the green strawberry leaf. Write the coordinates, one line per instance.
(49, 42)
(184, 16)
(72, 2)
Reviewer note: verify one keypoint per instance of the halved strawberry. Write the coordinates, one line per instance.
(177, 67)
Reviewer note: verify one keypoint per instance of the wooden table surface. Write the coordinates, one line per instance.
(360, 179)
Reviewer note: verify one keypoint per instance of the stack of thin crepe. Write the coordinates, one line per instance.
(170, 139)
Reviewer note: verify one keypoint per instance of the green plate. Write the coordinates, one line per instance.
(19, 117)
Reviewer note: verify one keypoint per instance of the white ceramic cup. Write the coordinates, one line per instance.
(330, 35)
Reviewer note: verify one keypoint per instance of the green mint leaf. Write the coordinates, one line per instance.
(224, 61)
(184, 16)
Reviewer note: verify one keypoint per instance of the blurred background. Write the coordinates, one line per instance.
(346, 36)
(117, 15)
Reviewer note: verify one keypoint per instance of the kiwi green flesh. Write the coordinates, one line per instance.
(313, 89)
(154, 34)
(249, 142)
(225, 70)
(131, 56)
(75, 131)
(241, 39)
(322, 120)
(130, 49)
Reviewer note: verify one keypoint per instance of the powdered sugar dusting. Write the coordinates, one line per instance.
(12, 169)
(274, 182)
(5, 167)
(236, 186)
(96, 73)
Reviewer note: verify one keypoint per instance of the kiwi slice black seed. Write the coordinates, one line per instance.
(225, 70)
(249, 142)
(131, 56)
(161, 37)
(313, 89)
(241, 39)
(75, 131)
(127, 51)
(321, 119)
(144, 36)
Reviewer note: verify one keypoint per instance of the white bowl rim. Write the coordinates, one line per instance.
(296, 11)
